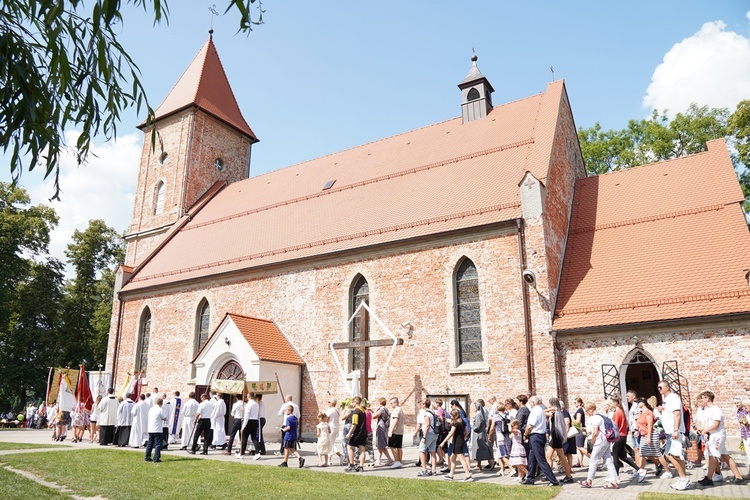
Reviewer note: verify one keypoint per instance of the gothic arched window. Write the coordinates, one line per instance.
(159, 203)
(468, 324)
(360, 292)
(203, 321)
(231, 371)
(473, 95)
(144, 334)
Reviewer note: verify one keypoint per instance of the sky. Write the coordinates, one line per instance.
(318, 77)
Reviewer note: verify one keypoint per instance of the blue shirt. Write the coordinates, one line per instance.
(291, 422)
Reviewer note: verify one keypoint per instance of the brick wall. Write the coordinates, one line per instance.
(708, 358)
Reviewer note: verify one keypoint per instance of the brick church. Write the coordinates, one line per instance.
(467, 258)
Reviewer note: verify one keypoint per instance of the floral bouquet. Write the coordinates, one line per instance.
(347, 403)
(577, 425)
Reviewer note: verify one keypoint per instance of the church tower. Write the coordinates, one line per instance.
(200, 140)
(476, 94)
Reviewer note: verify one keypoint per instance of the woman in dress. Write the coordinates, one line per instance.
(323, 446)
(383, 418)
(480, 448)
(649, 445)
(457, 448)
(743, 418)
(558, 426)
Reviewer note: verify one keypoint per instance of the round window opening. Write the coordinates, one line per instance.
(219, 164)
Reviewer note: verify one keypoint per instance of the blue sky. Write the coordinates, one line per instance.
(322, 76)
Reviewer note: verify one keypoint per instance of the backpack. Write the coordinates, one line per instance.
(439, 423)
(611, 432)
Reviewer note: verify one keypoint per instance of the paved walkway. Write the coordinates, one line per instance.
(629, 488)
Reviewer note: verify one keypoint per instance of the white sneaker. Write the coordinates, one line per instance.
(257, 456)
(682, 484)
(277, 453)
(241, 457)
(641, 474)
(666, 475)
(717, 477)
(396, 465)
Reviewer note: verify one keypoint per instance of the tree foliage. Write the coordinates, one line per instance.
(658, 138)
(62, 66)
(45, 320)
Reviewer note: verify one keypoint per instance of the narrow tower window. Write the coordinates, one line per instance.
(159, 205)
(203, 323)
(360, 292)
(473, 95)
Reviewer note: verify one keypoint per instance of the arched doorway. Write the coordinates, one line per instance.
(231, 370)
(640, 374)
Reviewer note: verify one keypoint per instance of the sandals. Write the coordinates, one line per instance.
(612, 486)
(585, 484)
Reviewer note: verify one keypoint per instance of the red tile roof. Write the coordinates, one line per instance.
(657, 242)
(443, 177)
(264, 338)
(204, 84)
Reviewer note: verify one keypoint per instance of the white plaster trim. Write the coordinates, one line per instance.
(474, 367)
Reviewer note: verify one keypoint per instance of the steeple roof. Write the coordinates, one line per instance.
(474, 75)
(204, 84)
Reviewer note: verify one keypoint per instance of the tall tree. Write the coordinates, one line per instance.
(658, 138)
(93, 253)
(62, 66)
(28, 288)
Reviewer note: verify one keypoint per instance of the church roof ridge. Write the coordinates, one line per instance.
(255, 318)
(383, 139)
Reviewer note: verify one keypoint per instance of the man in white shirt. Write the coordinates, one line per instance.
(396, 434)
(152, 397)
(203, 421)
(674, 428)
(217, 422)
(156, 418)
(716, 437)
(236, 413)
(250, 425)
(189, 410)
(536, 433)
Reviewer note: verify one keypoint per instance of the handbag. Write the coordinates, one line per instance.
(572, 432)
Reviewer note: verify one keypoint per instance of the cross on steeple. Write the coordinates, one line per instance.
(214, 12)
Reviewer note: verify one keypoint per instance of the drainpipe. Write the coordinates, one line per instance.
(526, 313)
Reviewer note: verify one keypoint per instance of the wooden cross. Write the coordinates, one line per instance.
(363, 345)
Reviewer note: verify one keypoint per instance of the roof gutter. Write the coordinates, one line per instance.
(526, 313)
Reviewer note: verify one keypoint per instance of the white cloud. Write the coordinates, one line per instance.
(710, 68)
(103, 188)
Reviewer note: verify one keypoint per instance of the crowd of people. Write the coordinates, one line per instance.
(523, 436)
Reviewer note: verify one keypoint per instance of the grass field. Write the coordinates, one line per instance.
(124, 475)
(14, 486)
(27, 446)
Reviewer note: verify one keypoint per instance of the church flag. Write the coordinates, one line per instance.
(54, 388)
(83, 391)
(65, 397)
(125, 386)
(99, 382)
(137, 383)
(176, 415)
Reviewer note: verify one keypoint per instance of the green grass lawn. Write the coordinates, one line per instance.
(27, 446)
(13, 485)
(102, 472)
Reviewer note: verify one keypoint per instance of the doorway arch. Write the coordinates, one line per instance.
(640, 373)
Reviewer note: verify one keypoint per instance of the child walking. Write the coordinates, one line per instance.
(517, 451)
(323, 430)
(290, 438)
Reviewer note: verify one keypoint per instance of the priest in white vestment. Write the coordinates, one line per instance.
(107, 417)
(188, 411)
(217, 421)
(124, 421)
(139, 431)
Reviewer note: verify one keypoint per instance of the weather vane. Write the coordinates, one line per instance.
(214, 12)
(553, 73)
